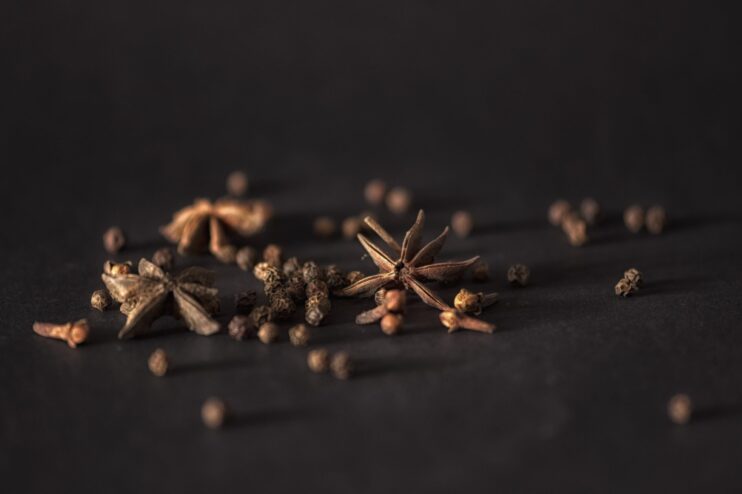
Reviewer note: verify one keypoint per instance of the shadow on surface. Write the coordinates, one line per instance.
(365, 369)
(266, 417)
(205, 366)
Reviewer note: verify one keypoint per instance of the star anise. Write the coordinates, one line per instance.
(413, 266)
(153, 293)
(206, 225)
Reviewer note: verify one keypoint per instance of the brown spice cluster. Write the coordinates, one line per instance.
(519, 275)
(574, 223)
(340, 364)
(630, 283)
(389, 311)
(655, 219)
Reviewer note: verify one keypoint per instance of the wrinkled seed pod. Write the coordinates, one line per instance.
(317, 287)
(100, 300)
(558, 210)
(462, 223)
(299, 335)
(634, 276)
(316, 309)
(335, 277)
(311, 271)
(273, 255)
(519, 275)
(656, 220)
(246, 258)
(296, 287)
(341, 365)
(590, 210)
(164, 258)
(291, 266)
(267, 273)
(245, 301)
(624, 287)
(318, 360)
(260, 315)
(282, 305)
(237, 183)
(241, 327)
(391, 324)
(158, 362)
(324, 227)
(399, 200)
(375, 191)
(633, 218)
(214, 413)
(268, 332)
(114, 240)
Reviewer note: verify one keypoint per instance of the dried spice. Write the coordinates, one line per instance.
(273, 255)
(393, 302)
(399, 200)
(164, 258)
(317, 287)
(291, 266)
(590, 210)
(237, 183)
(468, 301)
(158, 362)
(411, 269)
(480, 272)
(624, 287)
(374, 192)
(214, 413)
(379, 296)
(100, 300)
(324, 227)
(316, 308)
(241, 327)
(656, 220)
(245, 301)
(299, 335)
(74, 333)
(260, 315)
(246, 258)
(462, 223)
(311, 272)
(455, 320)
(318, 360)
(268, 332)
(633, 218)
(296, 287)
(206, 226)
(341, 365)
(519, 275)
(117, 268)
(391, 324)
(282, 304)
(114, 240)
(558, 210)
(680, 409)
(351, 226)
(189, 296)
(634, 277)
(354, 277)
(335, 277)
(576, 229)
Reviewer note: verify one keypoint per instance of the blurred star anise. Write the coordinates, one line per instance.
(413, 266)
(206, 225)
(153, 293)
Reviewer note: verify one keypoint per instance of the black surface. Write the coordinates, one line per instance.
(120, 113)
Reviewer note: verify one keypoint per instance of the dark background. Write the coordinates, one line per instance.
(122, 112)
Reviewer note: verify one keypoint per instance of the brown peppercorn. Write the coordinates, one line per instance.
(558, 210)
(164, 258)
(680, 409)
(519, 275)
(311, 272)
(399, 200)
(468, 301)
(391, 324)
(624, 287)
(351, 227)
(268, 332)
(214, 413)
(299, 335)
(291, 266)
(354, 276)
(267, 273)
(395, 301)
(633, 218)
(246, 258)
(158, 362)
(375, 191)
(656, 220)
(634, 276)
(296, 287)
(462, 223)
(241, 327)
(281, 303)
(260, 315)
(226, 254)
(590, 210)
(324, 227)
(576, 229)
(273, 255)
(245, 301)
(114, 240)
(335, 277)
(481, 272)
(237, 183)
(341, 365)
(318, 360)
(73, 333)
(317, 287)
(316, 309)
(100, 300)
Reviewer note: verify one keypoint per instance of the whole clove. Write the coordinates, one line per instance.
(633, 218)
(74, 333)
(455, 320)
(117, 268)
(391, 324)
(468, 301)
(100, 300)
(114, 240)
(462, 223)
(519, 275)
(214, 413)
(158, 363)
(318, 360)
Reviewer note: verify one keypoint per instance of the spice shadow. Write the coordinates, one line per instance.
(365, 369)
(266, 417)
(672, 286)
(509, 226)
(717, 412)
(222, 365)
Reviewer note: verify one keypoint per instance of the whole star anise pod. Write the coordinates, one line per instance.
(413, 266)
(153, 293)
(206, 225)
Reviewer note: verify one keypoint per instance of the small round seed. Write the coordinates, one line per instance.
(214, 413)
(519, 275)
(324, 227)
(375, 191)
(633, 218)
(318, 360)
(158, 362)
(558, 210)
(398, 200)
(299, 335)
(680, 409)
(114, 240)
(100, 300)
(268, 332)
(237, 183)
(164, 258)
(341, 365)
(391, 324)
(656, 220)
(462, 223)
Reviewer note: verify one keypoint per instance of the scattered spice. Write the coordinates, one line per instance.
(74, 333)
(656, 220)
(375, 191)
(558, 210)
(214, 413)
(318, 360)
(462, 223)
(624, 287)
(351, 227)
(341, 365)
(680, 409)
(245, 301)
(246, 258)
(260, 315)
(468, 301)
(158, 362)
(299, 335)
(519, 275)
(391, 324)
(114, 240)
(576, 229)
(399, 200)
(590, 210)
(634, 276)
(193, 298)
(455, 320)
(117, 268)
(316, 308)
(395, 301)
(335, 277)
(164, 258)
(480, 272)
(205, 226)
(237, 183)
(354, 277)
(100, 300)
(311, 272)
(273, 255)
(281, 303)
(268, 332)
(241, 327)
(291, 266)
(633, 218)
(324, 227)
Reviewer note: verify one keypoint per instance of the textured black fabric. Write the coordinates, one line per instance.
(121, 113)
